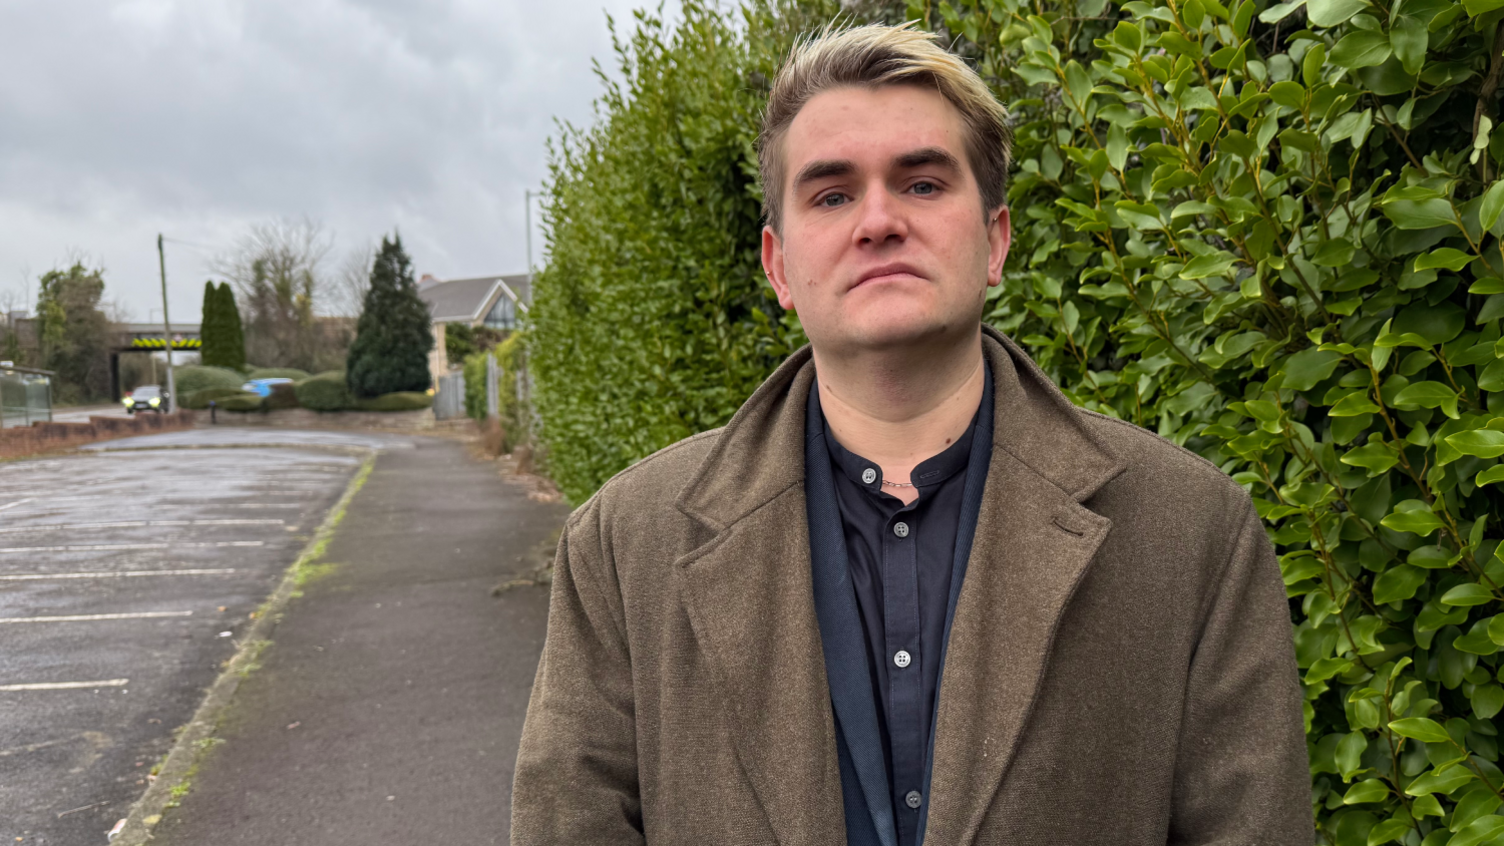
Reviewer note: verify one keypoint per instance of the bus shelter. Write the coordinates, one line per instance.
(25, 396)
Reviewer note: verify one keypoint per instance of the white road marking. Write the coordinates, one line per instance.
(119, 547)
(25, 577)
(16, 503)
(66, 685)
(88, 618)
(136, 524)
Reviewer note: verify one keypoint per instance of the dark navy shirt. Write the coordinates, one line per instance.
(900, 559)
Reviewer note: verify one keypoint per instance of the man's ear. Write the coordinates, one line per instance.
(772, 265)
(999, 239)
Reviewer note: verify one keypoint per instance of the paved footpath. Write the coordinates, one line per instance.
(388, 708)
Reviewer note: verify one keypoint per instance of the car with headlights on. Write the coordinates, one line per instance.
(146, 398)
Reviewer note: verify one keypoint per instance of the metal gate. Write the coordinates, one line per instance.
(449, 398)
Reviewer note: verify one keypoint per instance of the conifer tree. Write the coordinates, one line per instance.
(211, 328)
(229, 317)
(395, 332)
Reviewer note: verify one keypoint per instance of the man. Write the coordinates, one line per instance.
(910, 593)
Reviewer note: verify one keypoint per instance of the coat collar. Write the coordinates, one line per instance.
(760, 453)
(748, 592)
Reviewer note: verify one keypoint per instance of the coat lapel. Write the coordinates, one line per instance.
(1033, 545)
(750, 599)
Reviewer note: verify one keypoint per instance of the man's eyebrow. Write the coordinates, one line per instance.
(928, 156)
(822, 169)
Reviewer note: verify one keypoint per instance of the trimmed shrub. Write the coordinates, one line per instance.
(277, 373)
(324, 392)
(200, 399)
(244, 402)
(283, 395)
(396, 401)
(197, 378)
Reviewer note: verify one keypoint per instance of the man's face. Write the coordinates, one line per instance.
(884, 239)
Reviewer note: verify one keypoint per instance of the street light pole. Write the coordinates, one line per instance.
(172, 393)
(527, 216)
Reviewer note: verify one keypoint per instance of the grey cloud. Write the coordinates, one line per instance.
(119, 120)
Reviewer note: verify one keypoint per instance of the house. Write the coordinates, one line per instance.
(495, 302)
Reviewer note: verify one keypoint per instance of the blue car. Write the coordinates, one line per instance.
(263, 387)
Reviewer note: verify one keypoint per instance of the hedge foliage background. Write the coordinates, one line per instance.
(1270, 233)
(653, 319)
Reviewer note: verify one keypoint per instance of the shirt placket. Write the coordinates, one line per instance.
(901, 627)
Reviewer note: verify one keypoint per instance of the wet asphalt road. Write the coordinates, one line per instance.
(126, 575)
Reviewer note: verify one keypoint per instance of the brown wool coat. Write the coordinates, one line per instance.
(1121, 669)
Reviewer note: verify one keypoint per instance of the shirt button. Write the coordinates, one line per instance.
(902, 658)
(913, 799)
(869, 476)
(901, 529)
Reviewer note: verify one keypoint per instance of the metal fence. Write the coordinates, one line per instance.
(449, 398)
(25, 396)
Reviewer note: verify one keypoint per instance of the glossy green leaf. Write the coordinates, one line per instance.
(1361, 49)
(1397, 583)
(1412, 515)
(1422, 729)
(1484, 443)
(1327, 13)
(1467, 595)
(1420, 214)
(1451, 259)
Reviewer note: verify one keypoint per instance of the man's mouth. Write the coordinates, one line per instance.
(887, 273)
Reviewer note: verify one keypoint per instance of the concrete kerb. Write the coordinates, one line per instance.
(196, 737)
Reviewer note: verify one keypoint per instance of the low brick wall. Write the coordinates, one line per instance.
(47, 437)
(303, 418)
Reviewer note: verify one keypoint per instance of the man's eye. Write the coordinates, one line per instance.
(924, 188)
(832, 200)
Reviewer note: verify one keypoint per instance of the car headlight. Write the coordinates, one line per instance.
(155, 401)
(128, 402)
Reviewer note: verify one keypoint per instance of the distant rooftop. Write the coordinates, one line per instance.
(468, 300)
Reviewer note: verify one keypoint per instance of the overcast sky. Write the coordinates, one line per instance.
(196, 118)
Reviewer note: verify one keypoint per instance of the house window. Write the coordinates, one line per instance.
(503, 315)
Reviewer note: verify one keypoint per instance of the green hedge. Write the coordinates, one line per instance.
(652, 320)
(396, 401)
(277, 373)
(1271, 235)
(197, 378)
(200, 399)
(324, 392)
(244, 402)
(511, 358)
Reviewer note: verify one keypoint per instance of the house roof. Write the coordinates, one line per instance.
(468, 300)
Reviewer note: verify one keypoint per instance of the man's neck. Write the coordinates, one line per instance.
(898, 408)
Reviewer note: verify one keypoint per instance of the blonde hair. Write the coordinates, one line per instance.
(870, 57)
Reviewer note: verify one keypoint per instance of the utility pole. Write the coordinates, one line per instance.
(172, 392)
(527, 216)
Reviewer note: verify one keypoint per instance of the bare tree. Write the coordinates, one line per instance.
(278, 270)
(351, 280)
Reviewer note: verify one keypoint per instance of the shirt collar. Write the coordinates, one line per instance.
(932, 471)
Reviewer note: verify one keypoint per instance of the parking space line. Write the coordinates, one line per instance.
(136, 524)
(65, 685)
(89, 618)
(28, 577)
(120, 547)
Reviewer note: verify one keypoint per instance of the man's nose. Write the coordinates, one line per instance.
(881, 218)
